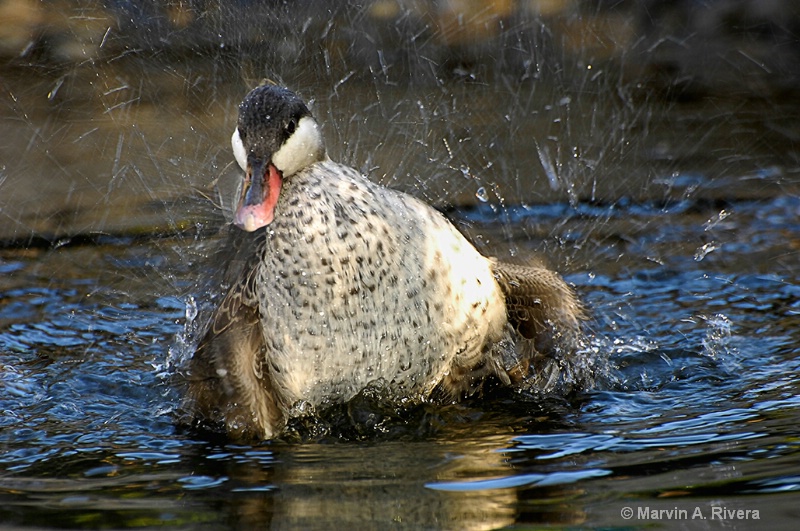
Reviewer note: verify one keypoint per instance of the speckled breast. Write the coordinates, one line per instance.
(361, 283)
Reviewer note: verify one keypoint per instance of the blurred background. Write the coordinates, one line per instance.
(112, 113)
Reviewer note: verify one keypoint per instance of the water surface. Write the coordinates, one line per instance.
(696, 403)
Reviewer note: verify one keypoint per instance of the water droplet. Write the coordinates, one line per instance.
(703, 251)
(482, 194)
(713, 222)
(191, 310)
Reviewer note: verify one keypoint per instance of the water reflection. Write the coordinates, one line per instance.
(382, 488)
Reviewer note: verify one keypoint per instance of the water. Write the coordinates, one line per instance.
(677, 222)
(697, 405)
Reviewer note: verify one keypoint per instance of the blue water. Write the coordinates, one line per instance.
(695, 406)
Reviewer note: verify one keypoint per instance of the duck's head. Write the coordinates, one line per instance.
(276, 137)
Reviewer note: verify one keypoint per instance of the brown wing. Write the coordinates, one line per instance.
(228, 376)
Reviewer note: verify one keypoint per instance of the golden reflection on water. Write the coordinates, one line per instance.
(360, 485)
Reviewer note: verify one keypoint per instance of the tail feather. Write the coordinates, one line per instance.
(545, 315)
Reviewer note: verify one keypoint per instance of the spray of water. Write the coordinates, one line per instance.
(531, 126)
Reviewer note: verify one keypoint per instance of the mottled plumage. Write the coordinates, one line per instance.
(345, 283)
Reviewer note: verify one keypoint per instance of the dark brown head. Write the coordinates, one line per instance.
(275, 138)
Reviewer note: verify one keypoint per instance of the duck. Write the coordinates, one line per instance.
(335, 282)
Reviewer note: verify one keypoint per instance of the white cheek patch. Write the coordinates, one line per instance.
(301, 149)
(239, 153)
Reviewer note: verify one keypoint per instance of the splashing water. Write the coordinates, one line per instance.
(703, 251)
(549, 131)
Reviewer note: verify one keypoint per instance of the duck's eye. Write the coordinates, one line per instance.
(291, 126)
